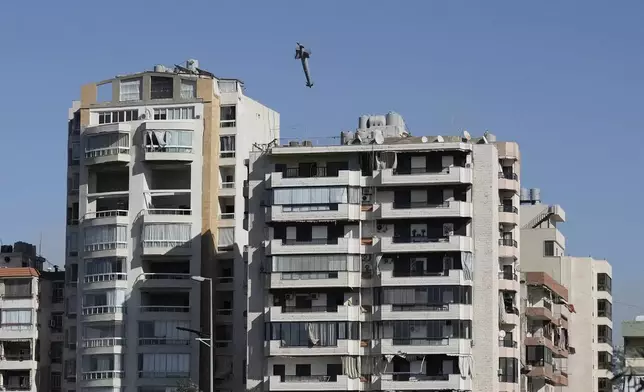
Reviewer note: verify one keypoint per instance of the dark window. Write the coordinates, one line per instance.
(56, 352)
(538, 355)
(58, 292)
(604, 308)
(161, 87)
(604, 334)
(604, 283)
(604, 360)
(549, 248)
(302, 370)
(244, 372)
(604, 385)
(508, 370)
(228, 116)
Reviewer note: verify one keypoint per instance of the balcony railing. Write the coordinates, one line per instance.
(312, 241)
(420, 307)
(547, 305)
(406, 376)
(102, 375)
(227, 215)
(293, 378)
(419, 204)
(107, 151)
(16, 387)
(420, 341)
(227, 185)
(312, 309)
(420, 170)
(169, 211)
(104, 214)
(417, 238)
(103, 309)
(510, 209)
(103, 342)
(108, 277)
(105, 246)
(153, 374)
(165, 275)
(227, 154)
(16, 357)
(167, 148)
(508, 176)
(164, 309)
(508, 275)
(508, 343)
(227, 123)
(508, 242)
(319, 171)
(154, 341)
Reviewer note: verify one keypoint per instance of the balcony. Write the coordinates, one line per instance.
(227, 189)
(173, 239)
(415, 210)
(273, 348)
(508, 248)
(102, 313)
(314, 383)
(509, 281)
(539, 339)
(108, 143)
(106, 217)
(509, 182)
(166, 280)
(313, 279)
(508, 347)
(423, 346)
(423, 312)
(315, 313)
(452, 277)
(315, 246)
(454, 243)
(320, 176)
(105, 345)
(106, 280)
(420, 176)
(165, 305)
(15, 380)
(16, 356)
(168, 141)
(407, 381)
(509, 215)
(167, 215)
(312, 213)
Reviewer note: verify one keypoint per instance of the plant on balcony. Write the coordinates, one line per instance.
(187, 386)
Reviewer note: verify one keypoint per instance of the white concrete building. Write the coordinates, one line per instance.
(155, 178)
(588, 337)
(386, 262)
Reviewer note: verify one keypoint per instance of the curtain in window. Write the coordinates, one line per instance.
(165, 363)
(166, 234)
(226, 143)
(315, 195)
(17, 288)
(107, 141)
(16, 317)
(107, 265)
(227, 86)
(169, 139)
(102, 363)
(188, 89)
(105, 237)
(130, 90)
(468, 265)
(322, 334)
(106, 298)
(226, 236)
(164, 329)
(322, 263)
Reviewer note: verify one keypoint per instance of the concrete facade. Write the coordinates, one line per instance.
(155, 162)
(387, 262)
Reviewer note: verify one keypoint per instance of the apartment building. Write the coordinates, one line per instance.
(154, 204)
(633, 334)
(384, 262)
(587, 311)
(30, 321)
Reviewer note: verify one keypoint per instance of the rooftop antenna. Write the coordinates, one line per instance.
(303, 54)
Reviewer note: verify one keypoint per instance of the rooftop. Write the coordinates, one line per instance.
(18, 272)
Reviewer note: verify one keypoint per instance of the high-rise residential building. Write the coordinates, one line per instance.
(384, 262)
(156, 169)
(30, 321)
(587, 311)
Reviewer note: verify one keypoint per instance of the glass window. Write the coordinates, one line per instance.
(188, 89)
(130, 90)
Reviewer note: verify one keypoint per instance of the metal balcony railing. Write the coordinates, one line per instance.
(508, 242)
(510, 209)
(508, 176)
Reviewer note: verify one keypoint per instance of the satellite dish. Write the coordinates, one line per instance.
(378, 137)
(501, 334)
(467, 136)
(439, 139)
(423, 139)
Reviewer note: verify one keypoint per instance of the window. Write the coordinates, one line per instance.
(223, 333)
(69, 369)
(70, 338)
(604, 308)
(321, 333)
(71, 274)
(17, 288)
(166, 235)
(56, 352)
(164, 365)
(163, 333)
(70, 307)
(58, 292)
(101, 363)
(118, 116)
(604, 334)
(605, 384)
(508, 370)
(180, 113)
(604, 360)
(548, 248)
(130, 90)
(16, 317)
(604, 283)
(225, 237)
(105, 237)
(57, 322)
(55, 381)
(107, 301)
(107, 144)
(227, 86)
(538, 355)
(74, 158)
(73, 183)
(72, 244)
(228, 116)
(161, 87)
(227, 146)
(188, 89)
(168, 141)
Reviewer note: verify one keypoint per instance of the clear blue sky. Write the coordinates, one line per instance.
(564, 79)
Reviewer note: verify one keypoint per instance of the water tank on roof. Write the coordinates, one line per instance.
(159, 68)
(525, 195)
(376, 121)
(393, 119)
(535, 195)
(363, 122)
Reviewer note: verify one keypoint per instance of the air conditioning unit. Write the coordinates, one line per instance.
(366, 198)
(380, 228)
(314, 295)
(367, 257)
(448, 229)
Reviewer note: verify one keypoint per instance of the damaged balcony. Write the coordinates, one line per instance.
(16, 380)
(427, 169)
(426, 372)
(306, 238)
(292, 271)
(409, 269)
(16, 355)
(313, 174)
(107, 144)
(324, 305)
(423, 236)
(168, 141)
(542, 333)
(165, 303)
